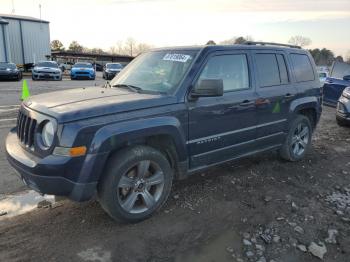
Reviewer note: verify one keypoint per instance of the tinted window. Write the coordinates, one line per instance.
(282, 68)
(302, 68)
(268, 72)
(232, 69)
(47, 64)
(84, 65)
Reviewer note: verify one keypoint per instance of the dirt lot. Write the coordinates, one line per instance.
(258, 209)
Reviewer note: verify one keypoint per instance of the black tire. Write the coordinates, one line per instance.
(287, 151)
(342, 122)
(119, 165)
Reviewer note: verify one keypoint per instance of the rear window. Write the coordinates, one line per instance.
(302, 68)
(272, 69)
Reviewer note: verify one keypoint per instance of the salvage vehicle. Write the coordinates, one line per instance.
(170, 113)
(9, 71)
(46, 70)
(335, 84)
(343, 108)
(82, 71)
(110, 70)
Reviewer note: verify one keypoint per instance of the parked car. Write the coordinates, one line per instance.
(9, 71)
(333, 88)
(343, 108)
(97, 67)
(323, 77)
(110, 70)
(47, 70)
(82, 71)
(171, 113)
(66, 66)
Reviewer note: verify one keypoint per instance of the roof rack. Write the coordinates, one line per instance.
(268, 43)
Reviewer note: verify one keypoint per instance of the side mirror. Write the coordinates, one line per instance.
(208, 88)
(346, 78)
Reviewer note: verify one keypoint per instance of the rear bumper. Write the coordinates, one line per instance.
(47, 175)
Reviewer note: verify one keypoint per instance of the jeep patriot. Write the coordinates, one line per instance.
(170, 113)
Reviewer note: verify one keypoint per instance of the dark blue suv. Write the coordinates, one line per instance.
(170, 113)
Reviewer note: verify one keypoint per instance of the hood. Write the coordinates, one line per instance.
(77, 104)
(113, 69)
(46, 69)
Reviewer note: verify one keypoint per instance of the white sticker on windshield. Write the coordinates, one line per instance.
(177, 57)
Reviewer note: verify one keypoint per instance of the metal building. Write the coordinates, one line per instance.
(24, 40)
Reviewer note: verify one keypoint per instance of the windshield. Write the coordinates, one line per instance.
(47, 64)
(158, 71)
(8, 65)
(114, 66)
(83, 65)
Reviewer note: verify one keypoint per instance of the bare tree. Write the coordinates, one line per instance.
(237, 40)
(130, 44)
(56, 45)
(300, 41)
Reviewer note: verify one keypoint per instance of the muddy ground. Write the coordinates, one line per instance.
(258, 209)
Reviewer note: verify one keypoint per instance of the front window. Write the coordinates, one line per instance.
(157, 71)
(114, 66)
(84, 65)
(8, 65)
(47, 64)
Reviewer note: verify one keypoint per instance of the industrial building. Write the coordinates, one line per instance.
(24, 40)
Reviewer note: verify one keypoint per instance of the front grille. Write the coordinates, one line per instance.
(45, 72)
(25, 129)
(83, 73)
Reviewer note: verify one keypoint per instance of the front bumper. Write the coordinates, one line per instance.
(82, 75)
(46, 76)
(9, 76)
(111, 75)
(47, 175)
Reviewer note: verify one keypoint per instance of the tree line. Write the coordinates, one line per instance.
(130, 46)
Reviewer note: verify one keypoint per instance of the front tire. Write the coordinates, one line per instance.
(298, 139)
(342, 122)
(136, 184)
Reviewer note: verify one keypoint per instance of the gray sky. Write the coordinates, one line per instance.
(184, 22)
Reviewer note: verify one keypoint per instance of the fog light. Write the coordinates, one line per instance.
(70, 151)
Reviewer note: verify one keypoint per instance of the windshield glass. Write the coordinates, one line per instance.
(114, 66)
(83, 65)
(8, 65)
(158, 71)
(47, 64)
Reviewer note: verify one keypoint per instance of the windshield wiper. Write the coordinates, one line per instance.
(135, 89)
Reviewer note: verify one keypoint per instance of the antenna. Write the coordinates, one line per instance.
(40, 16)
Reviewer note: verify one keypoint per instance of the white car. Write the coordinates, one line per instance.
(46, 70)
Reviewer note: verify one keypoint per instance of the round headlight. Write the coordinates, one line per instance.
(48, 134)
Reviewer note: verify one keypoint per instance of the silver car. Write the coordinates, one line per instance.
(46, 70)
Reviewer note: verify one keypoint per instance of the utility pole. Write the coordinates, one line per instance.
(13, 7)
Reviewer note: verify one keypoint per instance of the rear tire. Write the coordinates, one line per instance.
(137, 182)
(298, 139)
(342, 123)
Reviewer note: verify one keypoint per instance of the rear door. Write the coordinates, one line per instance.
(275, 93)
(222, 128)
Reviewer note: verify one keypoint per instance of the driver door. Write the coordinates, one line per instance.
(223, 128)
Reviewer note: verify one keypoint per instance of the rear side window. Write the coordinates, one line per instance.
(232, 69)
(267, 70)
(302, 68)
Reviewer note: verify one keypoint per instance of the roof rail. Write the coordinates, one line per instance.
(268, 43)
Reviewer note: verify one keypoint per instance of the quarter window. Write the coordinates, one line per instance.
(302, 68)
(232, 69)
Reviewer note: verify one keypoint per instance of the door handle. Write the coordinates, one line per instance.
(289, 95)
(247, 103)
(262, 101)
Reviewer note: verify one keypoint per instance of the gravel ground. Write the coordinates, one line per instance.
(258, 209)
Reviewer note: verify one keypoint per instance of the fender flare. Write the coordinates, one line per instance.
(112, 136)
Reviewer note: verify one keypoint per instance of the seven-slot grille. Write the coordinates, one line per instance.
(25, 129)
